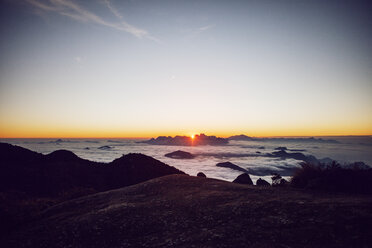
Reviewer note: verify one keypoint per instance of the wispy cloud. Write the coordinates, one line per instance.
(74, 11)
(113, 10)
(42, 5)
(204, 28)
(194, 32)
(129, 28)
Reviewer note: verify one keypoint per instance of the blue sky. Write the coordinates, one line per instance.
(146, 68)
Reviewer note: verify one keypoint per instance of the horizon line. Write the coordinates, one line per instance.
(149, 137)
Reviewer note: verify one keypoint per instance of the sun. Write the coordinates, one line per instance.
(192, 136)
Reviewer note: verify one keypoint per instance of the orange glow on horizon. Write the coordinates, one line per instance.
(35, 130)
(146, 135)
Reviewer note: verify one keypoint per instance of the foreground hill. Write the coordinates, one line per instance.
(184, 211)
(61, 171)
(30, 181)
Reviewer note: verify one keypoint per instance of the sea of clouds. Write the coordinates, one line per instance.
(249, 155)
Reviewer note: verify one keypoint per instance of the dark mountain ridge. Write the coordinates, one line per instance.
(52, 174)
(198, 140)
(243, 137)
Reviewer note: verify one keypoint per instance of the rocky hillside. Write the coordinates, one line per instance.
(185, 211)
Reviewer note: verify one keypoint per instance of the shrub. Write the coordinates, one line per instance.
(275, 177)
(333, 177)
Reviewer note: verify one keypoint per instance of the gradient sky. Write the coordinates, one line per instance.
(147, 68)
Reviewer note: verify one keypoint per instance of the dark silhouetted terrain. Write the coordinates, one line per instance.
(201, 139)
(59, 171)
(180, 155)
(184, 211)
(353, 178)
(243, 137)
(52, 201)
(31, 181)
(231, 166)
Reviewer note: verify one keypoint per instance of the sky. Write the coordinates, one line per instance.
(109, 68)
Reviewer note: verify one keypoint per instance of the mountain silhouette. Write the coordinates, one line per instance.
(60, 171)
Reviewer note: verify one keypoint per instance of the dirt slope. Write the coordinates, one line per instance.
(184, 211)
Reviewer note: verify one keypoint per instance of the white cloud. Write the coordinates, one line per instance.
(78, 13)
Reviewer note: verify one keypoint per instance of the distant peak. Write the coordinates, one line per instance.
(196, 140)
(62, 155)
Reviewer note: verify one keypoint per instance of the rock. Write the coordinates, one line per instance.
(283, 182)
(180, 155)
(105, 147)
(243, 179)
(201, 174)
(262, 182)
(281, 148)
(282, 154)
(231, 166)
